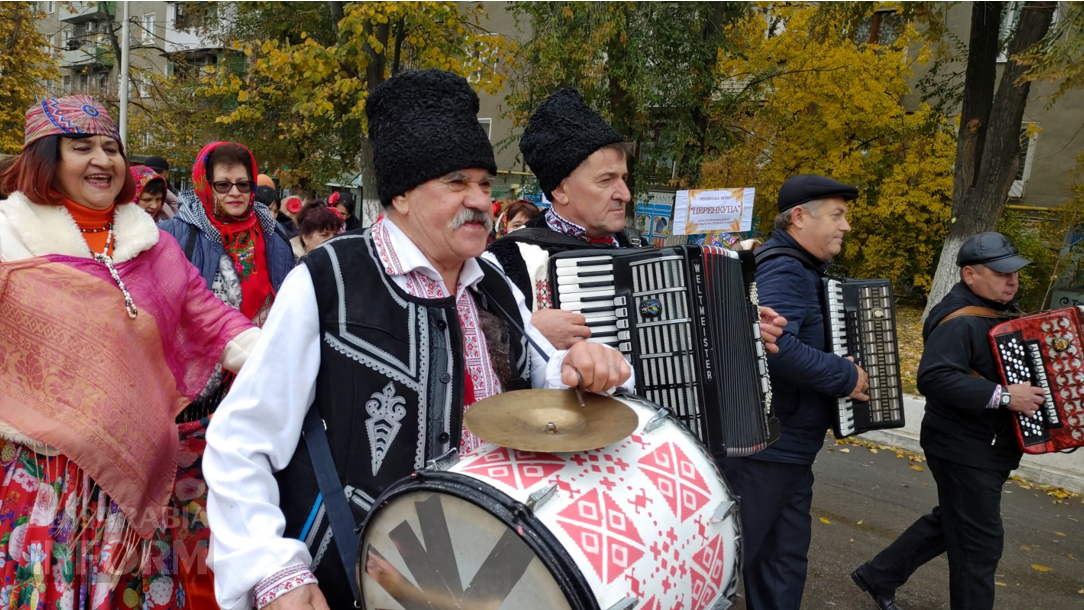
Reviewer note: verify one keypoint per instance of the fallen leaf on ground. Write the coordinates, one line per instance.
(917, 467)
(860, 521)
(823, 520)
(1060, 533)
(1000, 584)
(872, 450)
(844, 450)
(1040, 568)
(1025, 548)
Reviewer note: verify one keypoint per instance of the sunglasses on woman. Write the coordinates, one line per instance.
(223, 187)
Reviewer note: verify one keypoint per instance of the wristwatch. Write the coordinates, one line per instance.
(1005, 398)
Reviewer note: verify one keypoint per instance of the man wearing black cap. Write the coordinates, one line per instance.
(776, 485)
(395, 331)
(161, 167)
(967, 433)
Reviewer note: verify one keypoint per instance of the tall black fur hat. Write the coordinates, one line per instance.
(560, 135)
(424, 125)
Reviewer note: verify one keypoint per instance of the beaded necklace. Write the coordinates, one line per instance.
(107, 260)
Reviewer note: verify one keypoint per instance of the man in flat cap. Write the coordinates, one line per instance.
(776, 485)
(395, 330)
(967, 433)
(582, 166)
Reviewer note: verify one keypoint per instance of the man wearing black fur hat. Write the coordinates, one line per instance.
(395, 331)
(582, 166)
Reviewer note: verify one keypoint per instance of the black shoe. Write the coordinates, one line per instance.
(884, 601)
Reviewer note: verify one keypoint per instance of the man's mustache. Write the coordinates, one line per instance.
(468, 215)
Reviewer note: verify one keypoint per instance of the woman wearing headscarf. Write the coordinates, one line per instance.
(150, 191)
(243, 258)
(106, 337)
(229, 237)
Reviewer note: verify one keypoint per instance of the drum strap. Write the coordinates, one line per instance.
(343, 525)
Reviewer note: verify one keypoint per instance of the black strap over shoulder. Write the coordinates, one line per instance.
(341, 518)
(765, 254)
(190, 245)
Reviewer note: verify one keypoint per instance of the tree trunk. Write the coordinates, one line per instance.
(337, 14)
(979, 80)
(370, 200)
(982, 205)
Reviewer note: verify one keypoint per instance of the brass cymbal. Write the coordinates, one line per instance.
(550, 421)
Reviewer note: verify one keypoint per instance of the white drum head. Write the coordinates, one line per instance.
(436, 551)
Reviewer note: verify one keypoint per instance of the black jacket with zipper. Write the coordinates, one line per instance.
(958, 426)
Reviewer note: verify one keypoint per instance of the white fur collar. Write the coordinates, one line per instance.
(50, 229)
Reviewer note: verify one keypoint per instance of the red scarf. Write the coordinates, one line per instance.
(242, 237)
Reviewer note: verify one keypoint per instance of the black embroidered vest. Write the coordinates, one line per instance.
(389, 389)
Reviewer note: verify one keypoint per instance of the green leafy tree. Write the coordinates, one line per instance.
(830, 89)
(651, 68)
(300, 98)
(26, 64)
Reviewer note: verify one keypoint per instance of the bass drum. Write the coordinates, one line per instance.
(646, 523)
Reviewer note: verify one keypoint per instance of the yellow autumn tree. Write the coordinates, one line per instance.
(824, 93)
(303, 98)
(26, 63)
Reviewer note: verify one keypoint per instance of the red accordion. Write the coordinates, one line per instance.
(1046, 350)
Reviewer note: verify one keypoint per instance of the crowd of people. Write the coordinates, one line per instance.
(145, 409)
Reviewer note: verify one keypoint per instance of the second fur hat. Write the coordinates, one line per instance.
(560, 135)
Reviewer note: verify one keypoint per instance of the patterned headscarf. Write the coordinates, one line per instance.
(65, 116)
(143, 175)
(242, 237)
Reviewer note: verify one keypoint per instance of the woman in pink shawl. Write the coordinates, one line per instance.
(108, 333)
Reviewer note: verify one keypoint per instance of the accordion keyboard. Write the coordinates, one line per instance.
(1022, 362)
(861, 324)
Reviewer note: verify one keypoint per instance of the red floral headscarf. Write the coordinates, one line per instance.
(242, 237)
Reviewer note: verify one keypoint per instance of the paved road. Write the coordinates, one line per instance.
(868, 499)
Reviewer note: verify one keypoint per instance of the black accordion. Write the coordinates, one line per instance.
(860, 321)
(686, 319)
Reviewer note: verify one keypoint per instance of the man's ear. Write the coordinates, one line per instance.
(400, 204)
(560, 196)
(797, 216)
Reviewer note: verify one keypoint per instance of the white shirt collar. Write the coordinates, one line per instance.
(410, 259)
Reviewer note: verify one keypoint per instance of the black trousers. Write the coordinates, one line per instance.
(775, 499)
(966, 525)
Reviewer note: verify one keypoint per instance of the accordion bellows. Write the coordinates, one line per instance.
(686, 319)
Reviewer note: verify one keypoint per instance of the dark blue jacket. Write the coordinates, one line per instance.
(805, 378)
(207, 253)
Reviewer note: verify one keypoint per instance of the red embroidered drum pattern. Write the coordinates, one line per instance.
(647, 519)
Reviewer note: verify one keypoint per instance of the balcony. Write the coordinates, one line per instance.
(88, 50)
(77, 13)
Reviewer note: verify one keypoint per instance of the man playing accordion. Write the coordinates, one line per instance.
(967, 433)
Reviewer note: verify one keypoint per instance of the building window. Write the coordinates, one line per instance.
(1027, 154)
(66, 86)
(47, 7)
(148, 28)
(487, 124)
(66, 40)
(102, 81)
(84, 83)
(882, 27)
